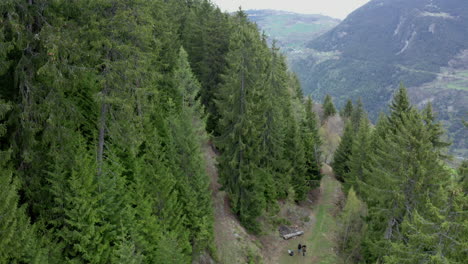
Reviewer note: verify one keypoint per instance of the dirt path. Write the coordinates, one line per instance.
(233, 243)
(319, 238)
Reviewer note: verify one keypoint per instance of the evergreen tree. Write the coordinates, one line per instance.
(351, 228)
(84, 229)
(125, 251)
(436, 233)
(357, 114)
(399, 107)
(312, 144)
(328, 107)
(360, 150)
(188, 128)
(295, 150)
(239, 165)
(402, 176)
(463, 176)
(347, 110)
(16, 233)
(435, 128)
(276, 111)
(343, 153)
(205, 34)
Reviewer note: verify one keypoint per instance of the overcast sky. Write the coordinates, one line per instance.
(334, 8)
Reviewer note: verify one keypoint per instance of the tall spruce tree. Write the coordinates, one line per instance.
(360, 151)
(295, 151)
(17, 236)
(347, 109)
(357, 114)
(312, 144)
(243, 88)
(351, 228)
(403, 174)
(435, 128)
(343, 153)
(274, 130)
(436, 233)
(328, 107)
(294, 141)
(205, 34)
(188, 129)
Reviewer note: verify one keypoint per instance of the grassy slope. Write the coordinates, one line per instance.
(235, 245)
(320, 239)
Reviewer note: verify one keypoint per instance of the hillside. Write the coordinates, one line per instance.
(143, 132)
(422, 43)
(291, 30)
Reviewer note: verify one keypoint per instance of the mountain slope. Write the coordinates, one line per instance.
(422, 43)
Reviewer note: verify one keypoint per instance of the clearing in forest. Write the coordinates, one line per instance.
(320, 238)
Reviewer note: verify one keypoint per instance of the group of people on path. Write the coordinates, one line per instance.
(300, 248)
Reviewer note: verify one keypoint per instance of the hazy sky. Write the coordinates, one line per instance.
(334, 8)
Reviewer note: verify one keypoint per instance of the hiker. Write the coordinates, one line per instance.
(303, 250)
(290, 252)
(299, 247)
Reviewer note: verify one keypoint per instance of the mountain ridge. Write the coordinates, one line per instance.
(421, 43)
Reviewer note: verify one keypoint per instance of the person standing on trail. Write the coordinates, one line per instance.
(303, 250)
(299, 248)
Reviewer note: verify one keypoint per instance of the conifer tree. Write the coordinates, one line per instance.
(16, 233)
(463, 176)
(403, 174)
(22, 57)
(435, 128)
(274, 130)
(312, 144)
(125, 251)
(158, 166)
(188, 130)
(357, 114)
(435, 233)
(328, 107)
(205, 36)
(399, 106)
(343, 153)
(359, 158)
(295, 151)
(352, 228)
(347, 110)
(238, 99)
(84, 230)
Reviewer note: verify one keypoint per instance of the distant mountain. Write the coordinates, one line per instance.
(422, 43)
(292, 31)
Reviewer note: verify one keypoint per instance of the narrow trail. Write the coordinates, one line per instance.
(319, 238)
(234, 244)
(232, 241)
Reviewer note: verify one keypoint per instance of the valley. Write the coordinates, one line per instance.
(420, 43)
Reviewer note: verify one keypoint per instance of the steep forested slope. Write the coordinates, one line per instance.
(103, 106)
(422, 43)
(405, 205)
